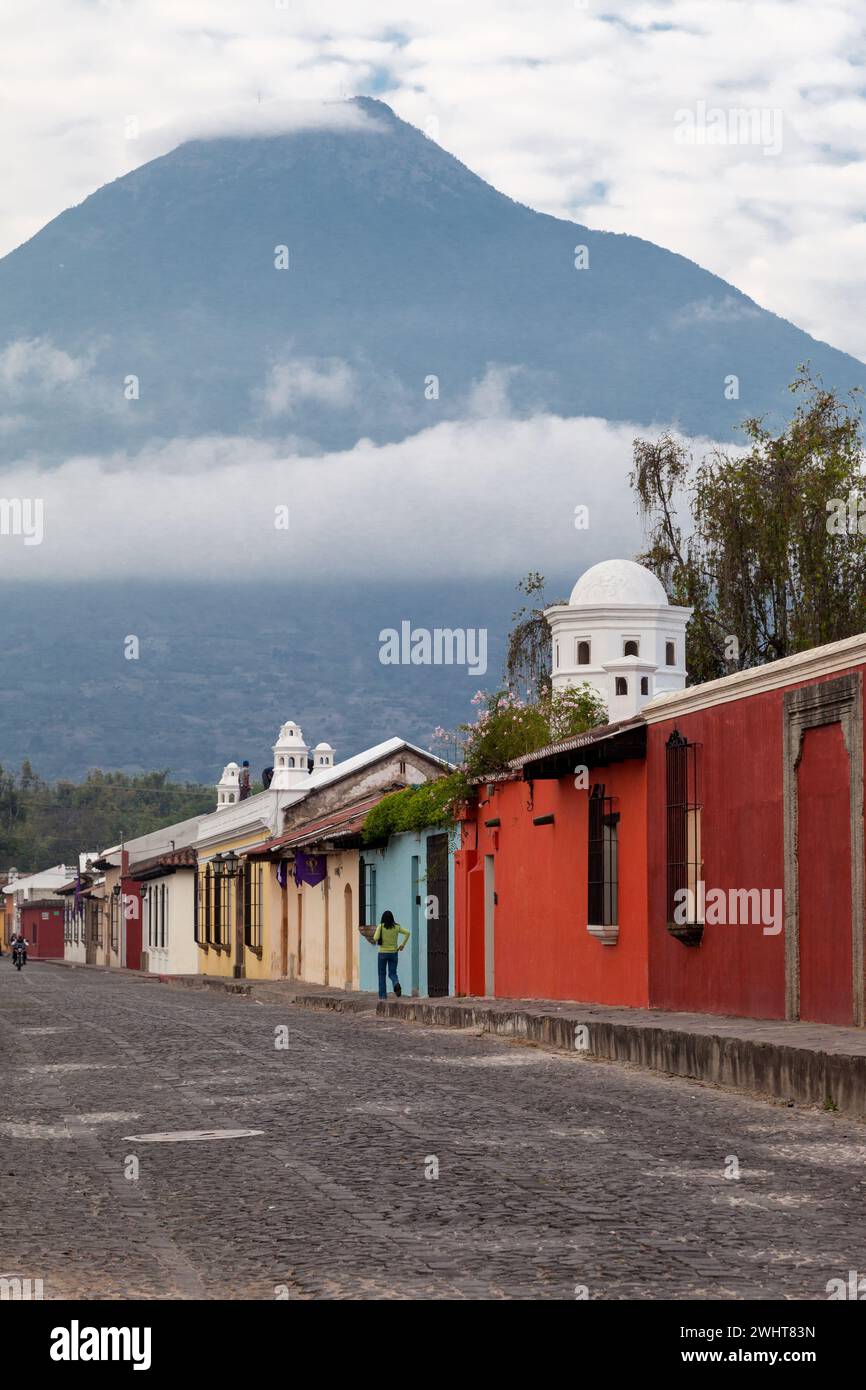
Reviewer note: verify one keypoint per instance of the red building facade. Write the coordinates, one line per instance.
(42, 926)
(719, 835)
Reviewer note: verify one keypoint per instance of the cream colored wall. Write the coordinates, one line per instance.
(112, 957)
(268, 965)
(330, 953)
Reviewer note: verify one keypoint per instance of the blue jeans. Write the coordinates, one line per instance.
(387, 961)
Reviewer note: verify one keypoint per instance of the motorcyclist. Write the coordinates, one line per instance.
(19, 943)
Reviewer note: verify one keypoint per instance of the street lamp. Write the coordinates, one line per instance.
(227, 864)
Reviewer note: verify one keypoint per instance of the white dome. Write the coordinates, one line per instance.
(323, 748)
(617, 582)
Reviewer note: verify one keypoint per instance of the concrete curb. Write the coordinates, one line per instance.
(347, 1005)
(799, 1075)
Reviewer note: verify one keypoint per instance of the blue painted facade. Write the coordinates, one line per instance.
(398, 875)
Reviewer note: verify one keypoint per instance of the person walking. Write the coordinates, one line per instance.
(387, 938)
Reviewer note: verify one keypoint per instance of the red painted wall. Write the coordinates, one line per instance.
(542, 947)
(44, 934)
(736, 969)
(824, 837)
(131, 889)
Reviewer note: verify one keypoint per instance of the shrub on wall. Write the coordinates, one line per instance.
(415, 808)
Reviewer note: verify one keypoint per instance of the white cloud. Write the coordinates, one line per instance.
(252, 119)
(469, 498)
(330, 382)
(34, 361)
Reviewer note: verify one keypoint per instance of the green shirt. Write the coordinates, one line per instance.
(387, 936)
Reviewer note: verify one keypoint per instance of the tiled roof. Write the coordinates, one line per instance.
(185, 858)
(341, 823)
(584, 740)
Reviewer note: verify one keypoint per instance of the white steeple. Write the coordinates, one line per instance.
(228, 786)
(290, 758)
(323, 756)
(619, 634)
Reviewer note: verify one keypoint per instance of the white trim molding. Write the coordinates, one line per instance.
(829, 660)
(608, 936)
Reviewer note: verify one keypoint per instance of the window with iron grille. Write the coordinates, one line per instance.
(602, 860)
(210, 904)
(222, 915)
(211, 898)
(114, 920)
(684, 854)
(253, 884)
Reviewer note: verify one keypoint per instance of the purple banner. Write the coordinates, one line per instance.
(309, 868)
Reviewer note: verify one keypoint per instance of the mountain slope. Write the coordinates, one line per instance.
(403, 264)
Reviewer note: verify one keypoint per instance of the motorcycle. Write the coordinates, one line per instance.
(19, 957)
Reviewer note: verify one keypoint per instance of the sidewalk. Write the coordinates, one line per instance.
(796, 1063)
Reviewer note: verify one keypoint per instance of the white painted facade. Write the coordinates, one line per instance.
(26, 887)
(168, 913)
(620, 635)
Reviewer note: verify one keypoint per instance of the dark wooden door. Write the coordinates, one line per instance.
(436, 912)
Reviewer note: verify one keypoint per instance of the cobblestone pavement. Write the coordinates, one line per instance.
(554, 1171)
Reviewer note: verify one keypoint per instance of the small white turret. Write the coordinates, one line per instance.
(291, 754)
(228, 786)
(323, 756)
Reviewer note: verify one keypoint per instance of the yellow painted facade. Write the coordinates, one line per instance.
(232, 956)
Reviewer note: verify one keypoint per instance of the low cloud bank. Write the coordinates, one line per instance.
(478, 497)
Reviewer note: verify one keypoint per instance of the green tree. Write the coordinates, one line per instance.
(43, 823)
(760, 553)
(527, 655)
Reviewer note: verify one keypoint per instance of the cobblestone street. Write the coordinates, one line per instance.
(554, 1172)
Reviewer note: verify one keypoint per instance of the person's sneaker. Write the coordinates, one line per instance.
(398, 991)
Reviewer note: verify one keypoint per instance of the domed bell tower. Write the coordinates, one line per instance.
(620, 635)
(291, 758)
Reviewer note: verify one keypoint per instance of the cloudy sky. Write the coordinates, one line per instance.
(572, 106)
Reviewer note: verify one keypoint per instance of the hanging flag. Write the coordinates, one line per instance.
(309, 868)
(282, 872)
